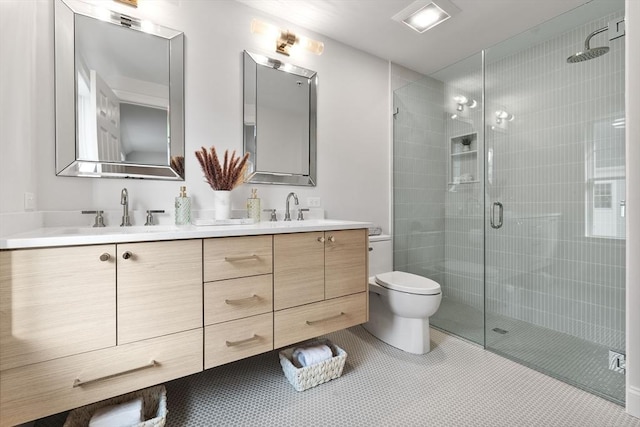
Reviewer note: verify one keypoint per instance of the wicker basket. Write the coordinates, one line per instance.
(310, 376)
(154, 407)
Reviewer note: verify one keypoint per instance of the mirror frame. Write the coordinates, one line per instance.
(67, 144)
(251, 64)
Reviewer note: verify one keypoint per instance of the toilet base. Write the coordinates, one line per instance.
(407, 334)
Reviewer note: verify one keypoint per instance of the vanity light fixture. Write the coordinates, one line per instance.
(133, 3)
(462, 100)
(285, 40)
(502, 116)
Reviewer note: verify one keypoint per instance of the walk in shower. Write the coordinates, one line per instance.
(508, 190)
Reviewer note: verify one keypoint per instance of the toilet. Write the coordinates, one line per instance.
(400, 303)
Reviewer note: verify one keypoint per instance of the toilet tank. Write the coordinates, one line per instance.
(380, 254)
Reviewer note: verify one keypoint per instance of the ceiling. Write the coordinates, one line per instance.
(367, 25)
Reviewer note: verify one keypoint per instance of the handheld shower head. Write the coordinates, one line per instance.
(589, 53)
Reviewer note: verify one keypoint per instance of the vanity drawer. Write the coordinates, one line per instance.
(299, 323)
(231, 257)
(41, 389)
(231, 299)
(235, 340)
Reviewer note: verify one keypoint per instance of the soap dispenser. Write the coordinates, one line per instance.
(253, 206)
(183, 208)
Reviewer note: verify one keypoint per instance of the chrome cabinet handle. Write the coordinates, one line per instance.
(240, 258)
(321, 239)
(127, 255)
(313, 322)
(240, 342)
(79, 383)
(332, 239)
(493, 211)
(105, 257)
(252, 298)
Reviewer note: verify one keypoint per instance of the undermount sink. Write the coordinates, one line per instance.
(305, 223)
(87, 231)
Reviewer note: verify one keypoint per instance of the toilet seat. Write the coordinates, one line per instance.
(407, 282)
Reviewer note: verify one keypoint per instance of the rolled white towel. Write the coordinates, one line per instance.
(307, 356)
(125, 414)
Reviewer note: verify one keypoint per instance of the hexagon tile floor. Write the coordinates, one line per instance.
(456, 384)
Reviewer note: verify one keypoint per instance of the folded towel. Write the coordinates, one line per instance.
(307, 356)
(125, 414)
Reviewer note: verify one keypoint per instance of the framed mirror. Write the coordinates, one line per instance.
(279, 121)
(119, 95)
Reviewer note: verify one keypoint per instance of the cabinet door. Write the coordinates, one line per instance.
(298, 269)
(55, 302)
(159, 288)
(345, 262)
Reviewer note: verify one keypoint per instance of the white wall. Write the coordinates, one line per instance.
(353, 115)
(633, 205)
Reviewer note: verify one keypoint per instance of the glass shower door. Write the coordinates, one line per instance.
(554, 248)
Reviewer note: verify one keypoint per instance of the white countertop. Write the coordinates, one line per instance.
(73, 236)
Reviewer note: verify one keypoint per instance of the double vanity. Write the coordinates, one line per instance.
(88, 314)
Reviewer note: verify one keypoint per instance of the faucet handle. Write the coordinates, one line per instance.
(273, 218)
(301, 213)
(150, 215)
(99, 220)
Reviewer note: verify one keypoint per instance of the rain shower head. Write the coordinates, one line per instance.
(589, 53)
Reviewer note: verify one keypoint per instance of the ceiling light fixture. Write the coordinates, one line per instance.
(286, 40)
(427, 17)
(422, 15)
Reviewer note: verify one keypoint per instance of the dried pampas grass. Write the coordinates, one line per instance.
(225, 176)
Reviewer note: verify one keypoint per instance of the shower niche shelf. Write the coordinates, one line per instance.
(463, 155)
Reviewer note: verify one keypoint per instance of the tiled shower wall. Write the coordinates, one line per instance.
(543, 266)
(419, 177)
(464, 219)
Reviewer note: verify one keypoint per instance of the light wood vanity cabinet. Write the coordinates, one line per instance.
(238, 298)
(84, 323)
(320, 283)
(311, 267)
(66, 340)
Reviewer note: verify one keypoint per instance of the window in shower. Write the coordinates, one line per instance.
(605, 186)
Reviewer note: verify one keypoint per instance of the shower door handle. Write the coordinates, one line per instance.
(493, 213)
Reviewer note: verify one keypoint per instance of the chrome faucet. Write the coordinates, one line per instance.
(287, 214)
(124, 201)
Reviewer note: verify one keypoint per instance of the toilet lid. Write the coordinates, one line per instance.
(407, 282)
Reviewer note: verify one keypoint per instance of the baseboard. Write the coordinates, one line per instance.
(633, 401)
